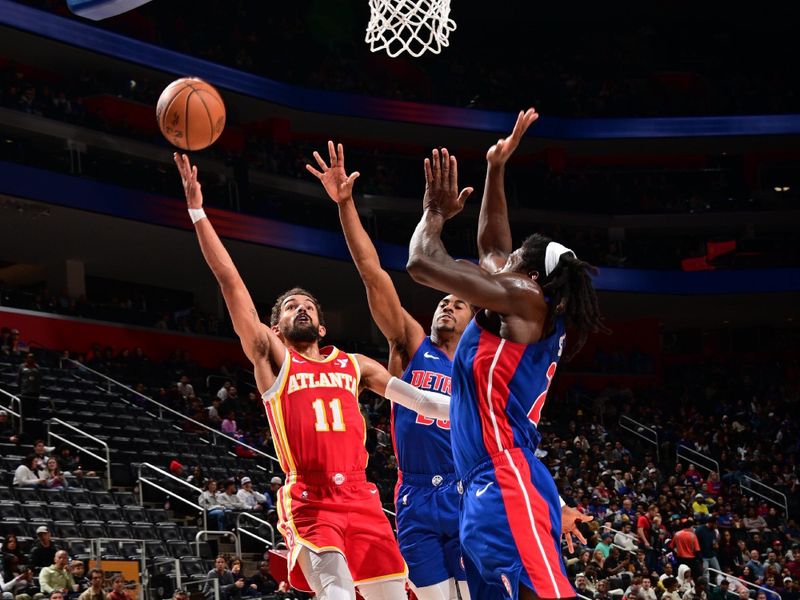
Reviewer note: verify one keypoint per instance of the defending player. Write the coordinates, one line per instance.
(330, 515)
(426, 496)
(511, 519)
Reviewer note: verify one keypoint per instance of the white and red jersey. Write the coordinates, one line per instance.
(314, 415)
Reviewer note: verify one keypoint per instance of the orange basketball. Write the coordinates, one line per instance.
(190, 113)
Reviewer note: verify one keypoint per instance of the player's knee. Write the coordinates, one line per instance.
(394, 589)
(437, 591)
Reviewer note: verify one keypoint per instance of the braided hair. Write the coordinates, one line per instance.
(569, 288)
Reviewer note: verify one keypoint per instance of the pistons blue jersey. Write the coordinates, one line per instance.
(499, 390)
(422, 445)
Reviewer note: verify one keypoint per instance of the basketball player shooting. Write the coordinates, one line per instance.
(512, 519)
(331, 517)
(426, 497)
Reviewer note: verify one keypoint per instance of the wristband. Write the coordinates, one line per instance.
(195, 214)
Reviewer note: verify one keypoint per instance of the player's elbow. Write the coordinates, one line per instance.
(420, 269)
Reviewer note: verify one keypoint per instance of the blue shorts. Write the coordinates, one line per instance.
(427, 528)
(511, 528)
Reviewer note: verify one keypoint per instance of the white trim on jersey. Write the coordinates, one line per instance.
(489, 395)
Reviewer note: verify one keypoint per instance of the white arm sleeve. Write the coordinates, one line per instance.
(428, 404)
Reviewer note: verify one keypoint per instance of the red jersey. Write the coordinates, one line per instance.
(314, 415)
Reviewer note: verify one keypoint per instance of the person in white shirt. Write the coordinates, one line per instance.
(624, 539)
(185, 388)
(254, 501)
(209, 500)
(228, 498)
(27, 474)
(222, 394)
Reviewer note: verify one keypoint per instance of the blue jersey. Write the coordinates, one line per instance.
(422, 445)
(499, 390)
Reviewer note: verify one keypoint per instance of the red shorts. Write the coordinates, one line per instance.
(342, 513)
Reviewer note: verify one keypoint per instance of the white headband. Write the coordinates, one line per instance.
(552, 255)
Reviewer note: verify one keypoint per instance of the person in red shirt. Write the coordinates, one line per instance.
(686, 547)
(644, 531)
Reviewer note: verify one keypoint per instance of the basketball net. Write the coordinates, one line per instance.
(412, 26)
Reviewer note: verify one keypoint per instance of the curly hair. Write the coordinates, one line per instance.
(569, 288)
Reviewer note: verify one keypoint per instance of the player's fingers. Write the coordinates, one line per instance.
(445, 165)
(570, 547)
(340, 154)
(465, 193)
(320, 162)
(428, 170)
(453, 172)
(585, 518)
(194, 173)
(332, 153)
(178, 162)
(435, 164)
(577, 533)
(353, 176)
(314, 172)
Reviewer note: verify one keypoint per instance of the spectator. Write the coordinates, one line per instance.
(223, 575)
(11, 553)
(222, 393)
(754, 522)
(755, 566)
(213, 416)
(185, 388)
(274, 485)
(240, 586)
(17, 586)
(700, 506)
(228, 498)
(209, 500)
(44, 552)
(254, 501)
(624, 538)
(55, 478)
(707, 538)
(644, 531)
(27, 473)
(117, 589)
(77, 568)
(601, 593)
(7, 432)
(605, 544)
(228, 425)
(647, 592)
(57, 576)
(686, 547)
(720, 592)
(95, 590)
(671, 587)
(263, 581)
(29, 379)
(789, 590)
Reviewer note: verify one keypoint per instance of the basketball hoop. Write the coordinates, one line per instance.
(413, 26)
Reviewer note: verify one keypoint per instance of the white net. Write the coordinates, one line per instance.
(413, 26)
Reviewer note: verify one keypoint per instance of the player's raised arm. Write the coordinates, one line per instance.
(257, 340)
(431, 265)
(494, 232)
(398, 327)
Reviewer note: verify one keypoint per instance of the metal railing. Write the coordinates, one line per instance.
(741, 581)
(215, 433)
(205, 580)
(648, 434)
(753, 486)
(631, 536)
(696, 458)
(97, 555)
(16, 414)
(106, 460)
(203, 533)
(169, 492)
(240, 530)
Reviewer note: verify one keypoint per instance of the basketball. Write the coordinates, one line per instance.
(190, 113)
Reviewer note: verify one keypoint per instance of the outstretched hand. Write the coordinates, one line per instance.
(570, 519)
(334, 178)
(441, 185)
(191, 187)
(504, 148)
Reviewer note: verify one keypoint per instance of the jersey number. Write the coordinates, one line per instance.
(440, 423)
(535, 412)
(337, 420)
